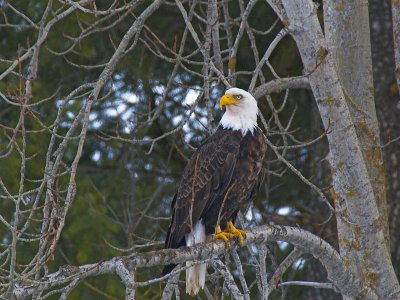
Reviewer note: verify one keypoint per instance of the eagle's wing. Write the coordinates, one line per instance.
(207, 175)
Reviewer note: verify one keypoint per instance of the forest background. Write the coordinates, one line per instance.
(103, 102)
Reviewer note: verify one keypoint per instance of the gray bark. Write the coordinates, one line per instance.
(342, 280)
(387, 105)
(348, 37)
(351, 181)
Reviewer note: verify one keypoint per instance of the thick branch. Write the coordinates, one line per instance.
(342, 280)
(279, 85)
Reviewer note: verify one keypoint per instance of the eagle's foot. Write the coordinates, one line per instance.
(230, 232)
(236, 232)
(223, 235)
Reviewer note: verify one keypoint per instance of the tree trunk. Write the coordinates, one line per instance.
(351, 181)
(348, 37)
(387, 106)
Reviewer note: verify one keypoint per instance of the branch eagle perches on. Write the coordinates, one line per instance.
(342, 280)
(93, 79)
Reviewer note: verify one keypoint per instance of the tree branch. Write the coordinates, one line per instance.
(342, 280)
(279, 85)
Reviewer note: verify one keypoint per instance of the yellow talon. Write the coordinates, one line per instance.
(236, 232)
(222, 235)
(230, 233)
(225, 236)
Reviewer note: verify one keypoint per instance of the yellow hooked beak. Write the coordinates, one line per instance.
(227, 99)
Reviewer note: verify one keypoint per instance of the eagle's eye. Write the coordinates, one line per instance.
(238, 97)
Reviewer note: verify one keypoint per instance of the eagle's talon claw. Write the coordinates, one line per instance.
(236, 232)
(225, 236)
(230, 233)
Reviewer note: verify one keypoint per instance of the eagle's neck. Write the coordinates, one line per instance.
(236, 118)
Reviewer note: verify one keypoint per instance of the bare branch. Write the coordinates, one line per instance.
(342, 280)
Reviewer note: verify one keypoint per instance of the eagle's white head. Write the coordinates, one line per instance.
(241, 110)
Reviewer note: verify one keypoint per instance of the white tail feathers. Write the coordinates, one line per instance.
(196, 275)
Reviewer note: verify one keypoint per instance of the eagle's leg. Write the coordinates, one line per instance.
(223, 235)
(236, 232)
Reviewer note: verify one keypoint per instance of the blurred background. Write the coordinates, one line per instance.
(148, 119)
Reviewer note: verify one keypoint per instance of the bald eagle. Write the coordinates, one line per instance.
(221, 177)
